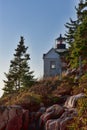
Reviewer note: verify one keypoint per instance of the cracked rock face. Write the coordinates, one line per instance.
(11, 118)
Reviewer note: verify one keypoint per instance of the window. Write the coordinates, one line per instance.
(52, 64)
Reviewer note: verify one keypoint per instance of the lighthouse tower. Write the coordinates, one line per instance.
(60, 45)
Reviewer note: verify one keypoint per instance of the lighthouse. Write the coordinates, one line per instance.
(54, 60)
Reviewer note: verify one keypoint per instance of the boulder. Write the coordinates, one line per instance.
(25, 120)
(52, 112)
(32, 125)
(66, 115)
(15, 118)
(15, 123)
(52, 124)
(71, 101)
(4, 112)
(61, 122)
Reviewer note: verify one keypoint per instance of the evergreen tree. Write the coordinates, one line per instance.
(71, 26)
(80, 44)
(19, 74)
(76, 35)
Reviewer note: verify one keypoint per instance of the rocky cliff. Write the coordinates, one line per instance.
(55, 117)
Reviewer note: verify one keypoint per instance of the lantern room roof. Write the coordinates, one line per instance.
(60, 38)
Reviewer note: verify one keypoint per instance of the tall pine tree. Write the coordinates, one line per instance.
(71, 27)
(73, 24)
(19, 74)
(78, 36)
(80, 44)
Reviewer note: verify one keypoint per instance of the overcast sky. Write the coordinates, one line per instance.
(39, 21)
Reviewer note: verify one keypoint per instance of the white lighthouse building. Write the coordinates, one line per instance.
(53, 60)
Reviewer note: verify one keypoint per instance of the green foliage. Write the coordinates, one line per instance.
(77, 36)
(81, 120)
(77, 39)
(80, 43)
(71, 26)
(19, 74)
(84, 78)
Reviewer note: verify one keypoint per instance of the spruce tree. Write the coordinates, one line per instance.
(73, 24)
(77, 37)
(19, 74)
(71, 27)
(80, 44)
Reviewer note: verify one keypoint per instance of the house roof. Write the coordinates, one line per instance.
(51, 54)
